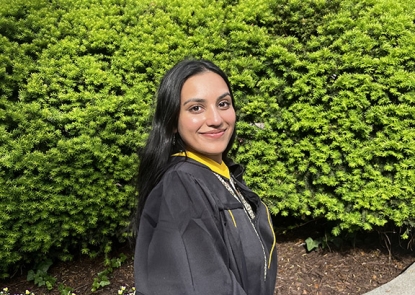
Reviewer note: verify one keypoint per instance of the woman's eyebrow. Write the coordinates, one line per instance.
(223, 95)
(194, 100)
(201, 100)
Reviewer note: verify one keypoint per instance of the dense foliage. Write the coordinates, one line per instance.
(338, 112)
(325, 91)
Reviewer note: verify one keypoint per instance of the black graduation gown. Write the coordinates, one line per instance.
(195, 237)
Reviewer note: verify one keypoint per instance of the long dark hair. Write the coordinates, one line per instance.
(163, 141)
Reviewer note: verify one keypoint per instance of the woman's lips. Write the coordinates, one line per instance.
(214, 133)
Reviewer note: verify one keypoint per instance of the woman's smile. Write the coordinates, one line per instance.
(213, 133)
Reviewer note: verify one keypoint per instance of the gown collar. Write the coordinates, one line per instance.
(220, 169)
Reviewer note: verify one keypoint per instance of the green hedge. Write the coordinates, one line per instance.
(338, 110)
(325, 91)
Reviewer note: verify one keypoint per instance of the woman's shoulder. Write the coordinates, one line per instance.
(183, 172)
(185, 185)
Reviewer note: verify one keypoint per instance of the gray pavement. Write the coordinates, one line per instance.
(404, 284)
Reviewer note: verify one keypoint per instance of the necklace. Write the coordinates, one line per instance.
(237, 195)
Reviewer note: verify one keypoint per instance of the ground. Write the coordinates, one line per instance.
(346, 266)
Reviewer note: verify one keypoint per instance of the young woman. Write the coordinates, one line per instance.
(201, 229)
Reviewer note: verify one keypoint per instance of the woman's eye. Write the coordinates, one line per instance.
(195, 108)
(224, 104)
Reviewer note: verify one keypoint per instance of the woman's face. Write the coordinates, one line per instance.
(207, 117)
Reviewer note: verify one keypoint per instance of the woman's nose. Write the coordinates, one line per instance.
(213, 117)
